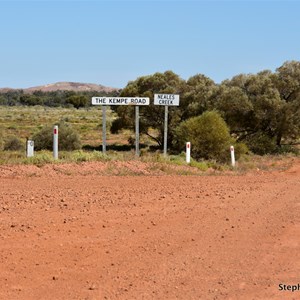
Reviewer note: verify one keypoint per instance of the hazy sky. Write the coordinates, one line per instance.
(113, 42)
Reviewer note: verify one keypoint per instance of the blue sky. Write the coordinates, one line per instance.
(113, 42)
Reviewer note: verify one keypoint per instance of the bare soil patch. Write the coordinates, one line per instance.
(70, 232)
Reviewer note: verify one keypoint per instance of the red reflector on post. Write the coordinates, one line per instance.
(188, 152)
(55, 131)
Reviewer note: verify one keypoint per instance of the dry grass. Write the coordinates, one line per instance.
(23, 122)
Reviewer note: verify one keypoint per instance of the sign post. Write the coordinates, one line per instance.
(104, 129)
(166, 130)
(137, 131)
(136, 101)
(166, 100)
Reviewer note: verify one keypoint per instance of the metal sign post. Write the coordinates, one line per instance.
(166, 100)
(166, 131)
(103, 129)
(137, 131)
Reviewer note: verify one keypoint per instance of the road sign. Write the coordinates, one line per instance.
(134, 101)
(166, 99)
(120, 101)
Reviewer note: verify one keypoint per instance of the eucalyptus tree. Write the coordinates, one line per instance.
(287, 81)
(263, 106)
(152, 116)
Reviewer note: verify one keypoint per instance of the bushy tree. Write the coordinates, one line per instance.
(68, 138)
(197, 96)
(151, 116)
(260, 143)
(263, 107)
(78, 101)
(235, 107)
(208, 134)
(287, 81)
(30, 100)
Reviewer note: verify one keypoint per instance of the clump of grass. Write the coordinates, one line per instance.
(11, 157)
(40, 158)
(99, 156)
(152, 157)
(264, 163)
(179, 160)
(201, 165)
(82, 156)
(74, 156)
(13, 143)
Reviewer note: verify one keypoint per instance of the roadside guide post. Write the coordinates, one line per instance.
(188, 152)
(136, 101)
(166, 100)
(29, 148)
(55, 142)
(232, 156)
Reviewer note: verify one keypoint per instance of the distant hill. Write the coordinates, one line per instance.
(66, 86)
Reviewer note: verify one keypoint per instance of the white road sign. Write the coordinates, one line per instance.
(166, 99)
(120, 101)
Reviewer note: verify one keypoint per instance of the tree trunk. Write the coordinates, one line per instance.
(278, 139)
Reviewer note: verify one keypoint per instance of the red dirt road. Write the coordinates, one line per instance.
(149, 237)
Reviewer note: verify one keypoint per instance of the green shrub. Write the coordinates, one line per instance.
(285, 149)
(68, 138)
(201, 165)
(13, 143)
(240, 149)
(208, 134)
(261, 144)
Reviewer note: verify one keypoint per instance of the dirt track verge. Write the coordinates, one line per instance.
(77, 234)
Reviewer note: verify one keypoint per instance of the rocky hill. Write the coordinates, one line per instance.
(66, 86)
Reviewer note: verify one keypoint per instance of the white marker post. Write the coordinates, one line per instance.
(188, 152)
(30, 148)
(55, 142)
(232, 156)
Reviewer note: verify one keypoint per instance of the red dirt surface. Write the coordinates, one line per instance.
(87, 236)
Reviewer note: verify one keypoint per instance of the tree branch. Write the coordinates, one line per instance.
(153, 138)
